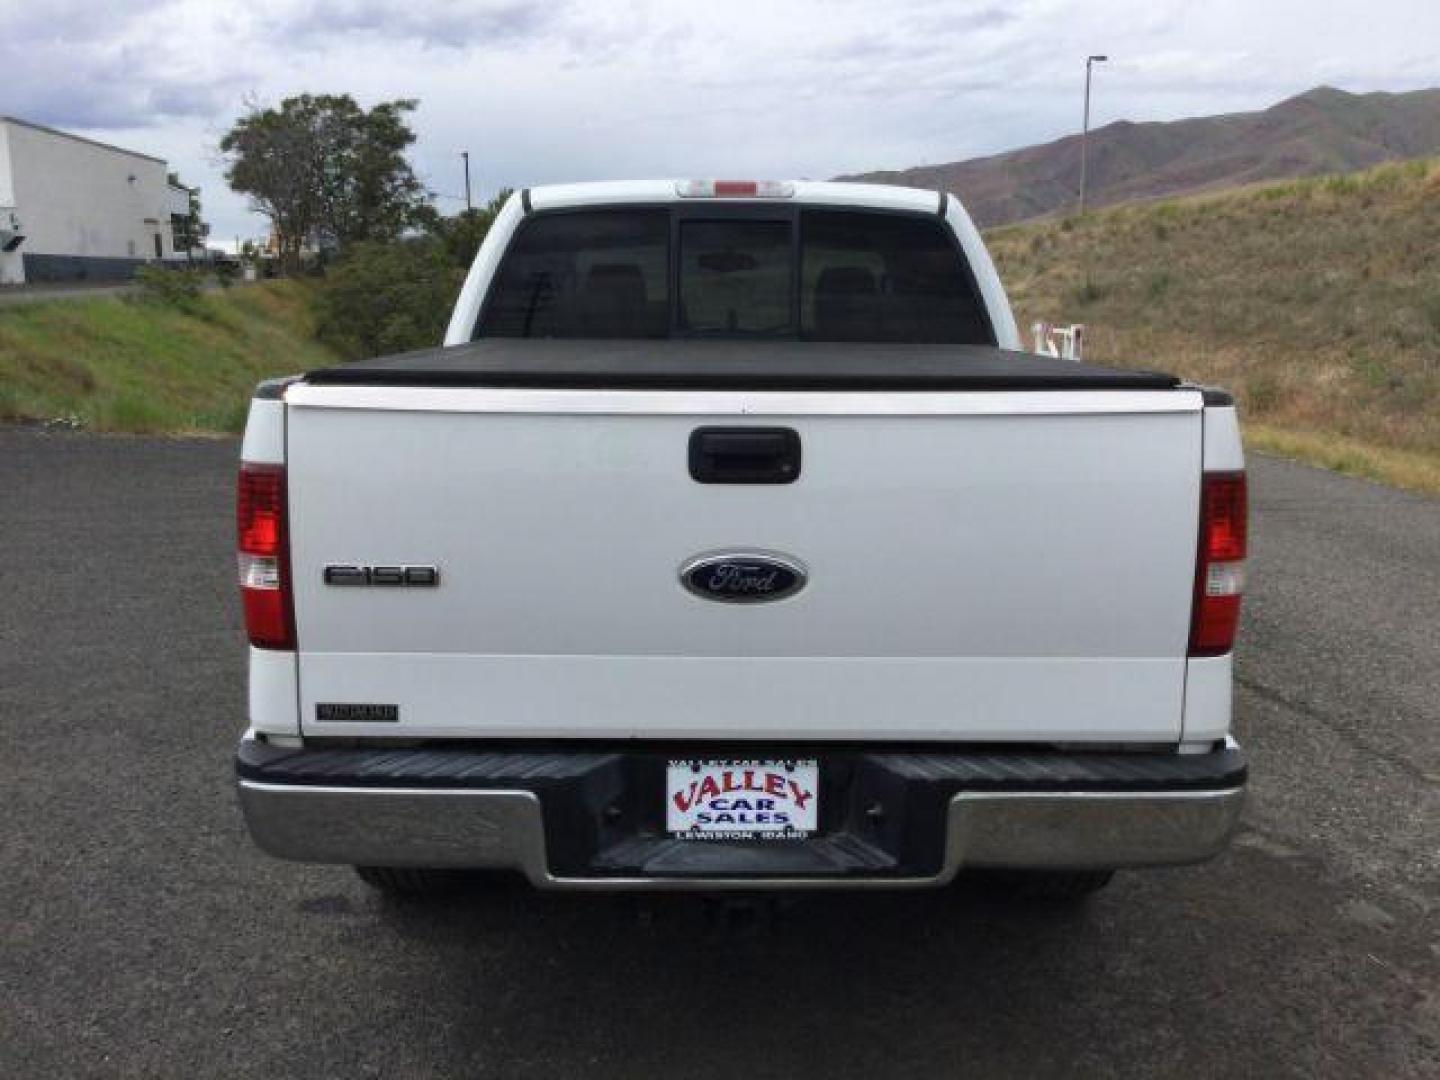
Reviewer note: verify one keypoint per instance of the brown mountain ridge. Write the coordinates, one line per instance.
(1324, 130)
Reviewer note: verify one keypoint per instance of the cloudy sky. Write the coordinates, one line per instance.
(605, 89)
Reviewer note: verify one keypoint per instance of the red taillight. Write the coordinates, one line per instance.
(1219, 564)
(264, 556)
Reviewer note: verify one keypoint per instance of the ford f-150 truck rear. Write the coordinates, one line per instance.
(730, 541)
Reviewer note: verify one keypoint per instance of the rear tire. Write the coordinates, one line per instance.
(1051, 886)
(407, 880)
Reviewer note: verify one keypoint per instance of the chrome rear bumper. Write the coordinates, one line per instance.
(469, 827)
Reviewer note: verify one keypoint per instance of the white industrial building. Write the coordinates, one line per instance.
(72, 209)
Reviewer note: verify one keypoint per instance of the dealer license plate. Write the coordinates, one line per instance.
(708, 799)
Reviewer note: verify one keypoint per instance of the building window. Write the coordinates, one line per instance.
(180, 237)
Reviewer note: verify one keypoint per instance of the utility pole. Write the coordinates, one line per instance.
(1090, 61)
(466, 155)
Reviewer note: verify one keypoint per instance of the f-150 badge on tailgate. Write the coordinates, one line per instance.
(422, 577)
(743, 577)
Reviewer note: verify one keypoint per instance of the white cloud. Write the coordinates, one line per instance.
(584, 89)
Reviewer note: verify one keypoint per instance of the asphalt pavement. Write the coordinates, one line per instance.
(142, 935)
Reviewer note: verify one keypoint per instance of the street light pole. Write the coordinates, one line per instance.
(1090, 61)
(466, 155)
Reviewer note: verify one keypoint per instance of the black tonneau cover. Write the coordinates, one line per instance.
(678, 363)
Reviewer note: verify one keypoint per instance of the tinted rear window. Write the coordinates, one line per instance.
(737, 277)
(597, 274)
(849, 275)
(885, 277)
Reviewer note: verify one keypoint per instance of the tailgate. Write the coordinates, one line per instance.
(979, 566)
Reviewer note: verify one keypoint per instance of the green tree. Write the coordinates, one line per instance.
(326, 171)
(463, 234)
(384, 298)
(389, 297)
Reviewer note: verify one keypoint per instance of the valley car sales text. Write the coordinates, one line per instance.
(743, 794)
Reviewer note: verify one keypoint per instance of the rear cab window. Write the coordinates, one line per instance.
(737, 278)
(773, 272)
(885, 277)
(597, 274)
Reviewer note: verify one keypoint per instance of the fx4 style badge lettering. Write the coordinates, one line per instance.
(421, 577)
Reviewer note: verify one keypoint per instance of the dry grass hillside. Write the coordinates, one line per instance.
(1316, 301)
(1322, 131)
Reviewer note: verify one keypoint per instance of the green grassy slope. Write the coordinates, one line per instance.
(122, 365)
(1316, 301)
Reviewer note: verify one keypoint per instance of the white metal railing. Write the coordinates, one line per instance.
(1065, 342)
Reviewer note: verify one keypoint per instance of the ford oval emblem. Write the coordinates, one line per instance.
(743, 577)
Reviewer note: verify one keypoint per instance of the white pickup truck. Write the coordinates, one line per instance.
(729, 542)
